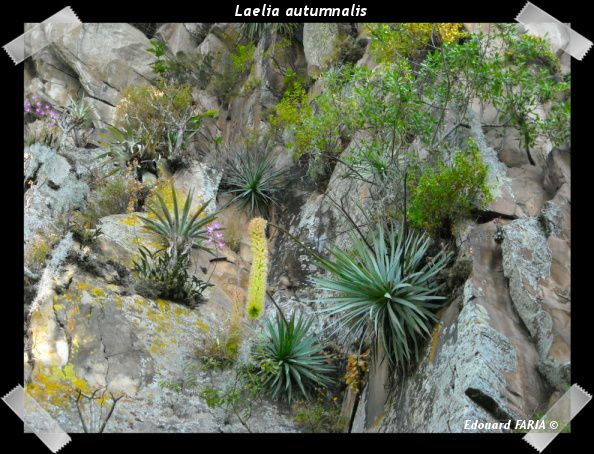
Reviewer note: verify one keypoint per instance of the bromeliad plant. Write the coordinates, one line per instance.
(384, 290)
(179, 231)
(253, 181)
(290, 360)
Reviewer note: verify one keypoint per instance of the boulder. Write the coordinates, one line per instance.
(52, 189)
(324, 44)
(557, 170)
(124, 61)
(183, 36)
(538, 269)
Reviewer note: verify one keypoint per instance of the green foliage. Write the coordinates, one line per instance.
(319, 417)
(162, 119)
(292, 107)
(238, 396)
(159, 50)
(391, 41)
(242, 58)
(114, 194)
(225, 84)
(516, 73)
(290, 360)
(386, 286)
(251, 178)
(449, 192)
(217, 398)
(168, 277)
(179, 231)
(253, 31)
(181, 68)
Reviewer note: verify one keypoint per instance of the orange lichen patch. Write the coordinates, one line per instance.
(434, 341)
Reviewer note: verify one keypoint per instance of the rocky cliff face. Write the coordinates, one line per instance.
(500, 350)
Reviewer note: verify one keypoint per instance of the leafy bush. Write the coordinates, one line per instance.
(384, 289)
(168, 277)
(179, 231)
(449, 192)
(259, 270)
(404, 40)
(251, 178)
(516, 73)
(115, 194)
(290, 360)
(226, 82)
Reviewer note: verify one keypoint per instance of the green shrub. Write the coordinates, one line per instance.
(250, 177)
(167, 276)
(385, 289)
(291, 363)
(225, 84)
(405, 40)
(516, 73)
(449, 192)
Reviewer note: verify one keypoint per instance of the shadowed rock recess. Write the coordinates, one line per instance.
(108, 350)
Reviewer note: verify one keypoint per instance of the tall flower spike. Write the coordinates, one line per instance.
(259, 272)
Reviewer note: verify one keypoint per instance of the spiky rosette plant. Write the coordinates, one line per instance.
(385, 290)
(253, 31)
(259, 271)
(290, 360)
(252, 180)
(179, 230)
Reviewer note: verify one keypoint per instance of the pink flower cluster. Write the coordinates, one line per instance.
(214, 235)
(41, 110)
